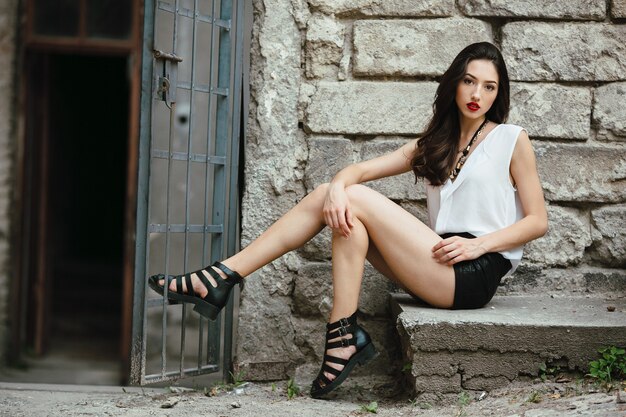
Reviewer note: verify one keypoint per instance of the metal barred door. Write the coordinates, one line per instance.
(187, 191)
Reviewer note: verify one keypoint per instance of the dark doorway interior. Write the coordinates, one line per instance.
(83, 187)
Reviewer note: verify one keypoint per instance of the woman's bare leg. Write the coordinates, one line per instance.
(291, 231)
(404, 243)
(397, 244)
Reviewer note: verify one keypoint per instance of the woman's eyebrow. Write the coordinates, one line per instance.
(489, 81)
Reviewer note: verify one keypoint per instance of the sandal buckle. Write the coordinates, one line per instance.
(342, 331)
(345, 342)
(344, 322)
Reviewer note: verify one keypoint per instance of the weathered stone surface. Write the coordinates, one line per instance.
(384, 8)
(609, 112)
(399, 187)
(559, 282)
(507, 340)
(324, 46)
(582, 173)
(540, 109)
(313, 291)
(413, 47)
(610, 236)
(327, 156)
(569, 233)
(547, 9)
(268, 345)
(586, 51)
(362, 107)
(618, 9)
(275, 151)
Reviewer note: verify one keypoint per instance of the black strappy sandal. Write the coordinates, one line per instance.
(216, 298)
(364, 352)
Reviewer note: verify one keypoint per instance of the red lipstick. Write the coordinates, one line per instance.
(473, 106)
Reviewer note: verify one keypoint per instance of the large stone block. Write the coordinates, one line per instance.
(539, 108)
(384, 8)
(399, 187)
(558, 282)
(265, 346)
(610, 236)
(370, 108)
(327, 156)
(618, 9)
(412, 47)
(575, 173)
(569, 234)
(508, 340)
(565, 51)
(609, 112)
(546, 9)
(313, 291)
(324, 46)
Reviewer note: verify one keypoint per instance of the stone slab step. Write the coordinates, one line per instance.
(510, 338)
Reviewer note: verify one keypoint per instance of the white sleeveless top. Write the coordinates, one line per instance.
(482, 199)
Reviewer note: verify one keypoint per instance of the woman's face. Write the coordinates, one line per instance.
(478, 89)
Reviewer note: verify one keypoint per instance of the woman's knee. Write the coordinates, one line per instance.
(361, 195)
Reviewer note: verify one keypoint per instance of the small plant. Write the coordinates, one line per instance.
(546, 371)
(611, 366)
(293, 390)
(407, 367)
(464, 399)
(273, 387)
(423, 405)
(534, 397)
(237, 378)
(371, 407)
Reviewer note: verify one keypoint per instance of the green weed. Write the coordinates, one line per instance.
(611, 366)
(293, 390)
(371, 407)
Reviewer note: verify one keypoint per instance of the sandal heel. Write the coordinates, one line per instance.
(207, 310)
(368, 353)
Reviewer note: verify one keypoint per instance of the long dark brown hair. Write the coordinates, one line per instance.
(437, 149)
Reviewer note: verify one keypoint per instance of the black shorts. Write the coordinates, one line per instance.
(477, 280)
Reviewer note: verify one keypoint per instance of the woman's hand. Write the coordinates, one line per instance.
(337, 212)
(456, 249)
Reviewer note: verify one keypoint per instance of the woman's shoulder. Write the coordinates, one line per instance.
(510, 128)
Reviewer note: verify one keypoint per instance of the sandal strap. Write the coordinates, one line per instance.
(341, 343)
(179, 284)
(330, 369)
(189, 284)
(229, 272)
(340, 332)
(204, 278)
(344, 322)
(323, 378)
(334, 359)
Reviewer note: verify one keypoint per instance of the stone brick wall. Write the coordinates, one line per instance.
(337, 81)
(8, 19)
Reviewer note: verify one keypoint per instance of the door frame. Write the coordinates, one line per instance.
(25, 250)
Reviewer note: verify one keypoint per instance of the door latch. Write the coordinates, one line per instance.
(167, 82)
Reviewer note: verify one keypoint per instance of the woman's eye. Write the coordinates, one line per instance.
(490, 88)
(467, 81)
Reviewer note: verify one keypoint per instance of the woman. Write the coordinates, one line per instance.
(484, 199)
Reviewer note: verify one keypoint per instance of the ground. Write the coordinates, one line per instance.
(569, 397)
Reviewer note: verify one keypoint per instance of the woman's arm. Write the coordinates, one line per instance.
(337, 211)
(534, 224)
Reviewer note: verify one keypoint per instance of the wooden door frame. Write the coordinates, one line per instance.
(21, 245)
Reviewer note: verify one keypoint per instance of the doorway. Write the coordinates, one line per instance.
(77, 149)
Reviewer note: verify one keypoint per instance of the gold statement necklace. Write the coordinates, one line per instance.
(463, 158)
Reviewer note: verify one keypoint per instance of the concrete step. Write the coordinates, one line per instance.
(509, 339)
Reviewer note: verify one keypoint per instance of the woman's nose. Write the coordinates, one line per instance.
(475, 95)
